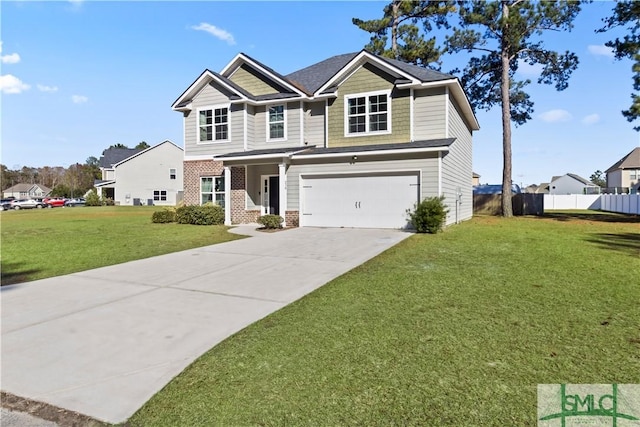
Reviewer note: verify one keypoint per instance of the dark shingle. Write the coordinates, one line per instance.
(314, 76)
(111, 156)
(430, 143)
(263, 152)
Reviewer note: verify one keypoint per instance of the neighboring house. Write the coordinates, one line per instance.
(353, 141)
(475, 179)
(572, 184)
(142, 176)
(625, 172)
(26, 191)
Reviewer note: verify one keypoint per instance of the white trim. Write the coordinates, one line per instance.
(447, 119)
(301, 123)
(282, 192)
(246, 187)
(326, 123)
(267, 128)
(189, 93)
(367, 113)
(439, 175)
(265, 202)
(284, 155)
(199, 157)
(139, 153)
(245, 127)
(427, 84)
(227, 195)
(213, 124)
(372, 153)
(411, 118)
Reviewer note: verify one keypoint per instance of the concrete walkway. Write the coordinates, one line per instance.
(102, 342)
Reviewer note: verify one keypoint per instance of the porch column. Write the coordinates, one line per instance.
(227, 195)
(282, 191)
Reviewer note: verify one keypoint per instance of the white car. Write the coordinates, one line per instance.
(27, 204)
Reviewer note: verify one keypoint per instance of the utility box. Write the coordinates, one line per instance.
(136, 202)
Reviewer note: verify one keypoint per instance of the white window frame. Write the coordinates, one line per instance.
(213, 109)
(173, 175)
(213, 191)
(368, 113)
(268, 123)
(159, 197)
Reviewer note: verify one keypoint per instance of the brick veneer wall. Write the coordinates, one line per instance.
(292, 218)
(193, 170)
(239, 215)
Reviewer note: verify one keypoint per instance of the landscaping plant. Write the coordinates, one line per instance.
(429, 215)
(271, 222)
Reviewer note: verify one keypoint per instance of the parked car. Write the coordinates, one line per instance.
(5, 204)
(26, 204)
(54, 202)
(75, 202)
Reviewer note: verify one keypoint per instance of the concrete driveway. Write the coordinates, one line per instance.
(102, 342)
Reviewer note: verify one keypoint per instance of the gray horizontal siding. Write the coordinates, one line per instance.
(457, 167)
(259, 138)
(314, 133)
(429, 114)
(427, 166)
(211, 96)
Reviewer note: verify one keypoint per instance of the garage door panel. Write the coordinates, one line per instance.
(368, 201)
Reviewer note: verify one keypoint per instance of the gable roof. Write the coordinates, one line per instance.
(25, 187)
(141, 152)
(111, 156)
(630, 161)
(311, 78)
(576, 177)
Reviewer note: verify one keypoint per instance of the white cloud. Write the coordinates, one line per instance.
(591, 119)
(600, 50)
(553, 116)
(529, 70)
(79, 99)
(12, 84)
(216, 32)
(12, 58)
(43, 88)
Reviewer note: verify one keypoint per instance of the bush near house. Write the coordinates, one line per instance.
(271, 222)
(429, 215)
(93, 199)
(208, 214)
(164, 216)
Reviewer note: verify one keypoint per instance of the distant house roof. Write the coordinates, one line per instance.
(26, 188)
(111, 156)
(475, 175)
(577, 178)
(630, 161)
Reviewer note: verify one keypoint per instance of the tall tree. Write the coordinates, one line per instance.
(626, 13)
(142, 145)
(118, 145)
(504, 32)
(400, 20)
(598, 178)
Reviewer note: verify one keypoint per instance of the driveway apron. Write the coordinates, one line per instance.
(104, 341)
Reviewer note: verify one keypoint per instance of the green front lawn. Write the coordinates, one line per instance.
(452, 329)
(41, 243)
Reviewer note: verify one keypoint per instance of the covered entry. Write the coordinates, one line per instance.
(375, 200)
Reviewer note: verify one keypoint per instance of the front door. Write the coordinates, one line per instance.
(271, 195)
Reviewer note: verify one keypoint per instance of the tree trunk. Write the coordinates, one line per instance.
(507, 210)
(395, 7)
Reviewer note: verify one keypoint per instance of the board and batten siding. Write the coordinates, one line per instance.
(428, 168)
(429, 113)
(254, 82)
(369, 78)
(209, 96)
(314, 123)
(457, 167)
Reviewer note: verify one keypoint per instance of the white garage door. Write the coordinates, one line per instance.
(365, 201)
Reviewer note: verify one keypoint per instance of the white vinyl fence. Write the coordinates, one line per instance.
(623, 203)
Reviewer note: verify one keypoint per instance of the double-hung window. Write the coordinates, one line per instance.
(213, 124)
(212, 190)
(276, 122)
(160, 195)
(368, 113)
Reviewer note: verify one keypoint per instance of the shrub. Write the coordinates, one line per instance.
(108, 201)
(92, 198)
(200, 215)
(429, 215)
(164, 216)
(271, 221)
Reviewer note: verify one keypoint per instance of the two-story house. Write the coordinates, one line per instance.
(132, 176)
(352, 141)
(625, 173)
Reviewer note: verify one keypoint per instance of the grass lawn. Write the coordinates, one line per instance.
(41, 243)
(452, 329)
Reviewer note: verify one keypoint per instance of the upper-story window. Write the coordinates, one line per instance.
(368, 113)
(213, 124)
(276, 122)
(172, 174)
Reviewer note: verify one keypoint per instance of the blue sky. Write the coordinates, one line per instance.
(79, 76)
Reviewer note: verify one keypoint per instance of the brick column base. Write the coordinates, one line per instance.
(292, 218)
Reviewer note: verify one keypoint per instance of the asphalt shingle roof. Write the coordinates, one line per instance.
(111, 156)
(630, 161)
(311, 78)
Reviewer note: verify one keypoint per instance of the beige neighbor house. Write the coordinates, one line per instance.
(26, 191)
(625, 172)
(142, 176)
(352, 141)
